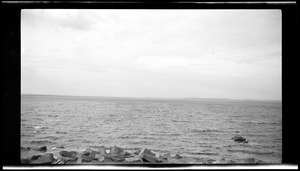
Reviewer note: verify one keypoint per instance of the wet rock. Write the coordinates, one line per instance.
(85, 153)
(66, 159)
(68, 153)
(79, 161)
(249, 160)
(89, 150)
(166, 156)
(118, 158)
(116, 150)
(137, 152)
(239, 139)
(127, 155)
(44, 159)
(177, 156)
(25, 161)
(114, 157)
(146, 151)
(160, 159)
(116, 154)
(59, 162)
(147, 156)
(101, 158)
(97, 156)
(101, 150)
(92, 154)
(86, 158)
(42, 149)
(34, 157)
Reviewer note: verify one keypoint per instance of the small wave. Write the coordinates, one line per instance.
(86, 141)
(40, 142)
(58, 132)
(27, 135)
(54, 116)
(51, 137)
(205, 130)
(208, 154)
(251, 152)
(141, 142)
(40, 127)
(180, 121)
(128, 137)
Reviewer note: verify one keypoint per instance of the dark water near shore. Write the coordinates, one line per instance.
(189, 127)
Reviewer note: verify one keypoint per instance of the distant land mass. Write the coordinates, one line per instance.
(153, 98)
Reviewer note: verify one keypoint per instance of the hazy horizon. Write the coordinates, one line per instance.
(147, 97)
(227, 54)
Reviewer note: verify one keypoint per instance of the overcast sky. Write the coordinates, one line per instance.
(152, 53)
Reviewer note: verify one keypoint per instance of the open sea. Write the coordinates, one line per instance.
(197, 128)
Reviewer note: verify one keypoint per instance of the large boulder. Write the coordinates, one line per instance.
(119, 158)
(99, 157)
(238, 138)
(116, 150)
(85, 158)
(127, 155)
(101, 150)
(147, 156)
(68, 154)
(116, 154)
(44, 159)
(92, 154)
(146, 151)
(66, 159)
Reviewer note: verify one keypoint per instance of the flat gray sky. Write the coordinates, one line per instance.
(152, 53)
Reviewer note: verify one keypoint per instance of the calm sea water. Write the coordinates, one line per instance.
(193, 128)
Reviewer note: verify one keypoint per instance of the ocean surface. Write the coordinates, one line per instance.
(197, 128)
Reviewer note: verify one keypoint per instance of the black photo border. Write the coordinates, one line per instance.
(11, 63)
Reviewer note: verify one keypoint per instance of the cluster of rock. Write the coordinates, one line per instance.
(41, 149)
(103, 155)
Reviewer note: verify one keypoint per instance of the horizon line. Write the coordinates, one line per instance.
(199, 98)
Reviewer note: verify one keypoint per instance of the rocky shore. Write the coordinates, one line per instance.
(102, 155)
(117, 155)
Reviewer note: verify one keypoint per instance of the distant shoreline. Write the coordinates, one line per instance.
(155, 98)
